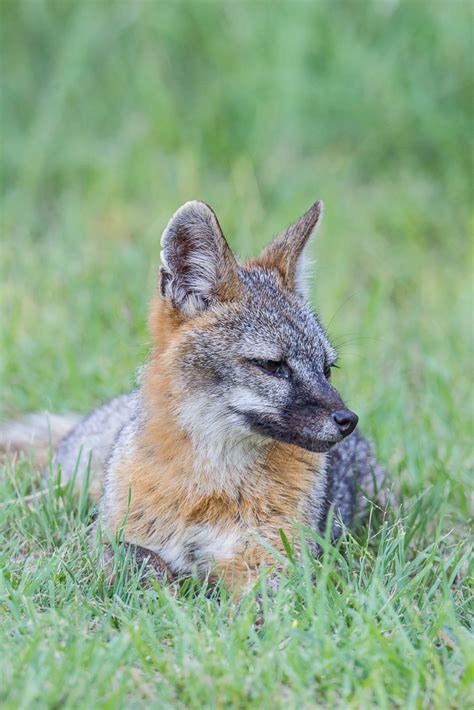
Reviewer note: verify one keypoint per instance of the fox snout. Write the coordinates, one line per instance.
(317, 418)
(313, 427)
(319, 427)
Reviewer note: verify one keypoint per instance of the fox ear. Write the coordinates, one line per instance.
(197, 265)
(286, 252)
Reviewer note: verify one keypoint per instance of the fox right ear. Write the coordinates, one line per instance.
(286, 253)
(197, 265)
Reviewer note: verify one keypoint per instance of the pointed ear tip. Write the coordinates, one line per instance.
(316, 212)
(312, 217)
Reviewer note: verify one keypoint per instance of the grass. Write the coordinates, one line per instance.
(113, 114)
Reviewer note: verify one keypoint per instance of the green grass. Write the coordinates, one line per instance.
(113, 114)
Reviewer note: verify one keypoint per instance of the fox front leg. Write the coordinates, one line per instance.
(150, 565)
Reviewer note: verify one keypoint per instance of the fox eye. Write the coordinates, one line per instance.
(328, 370)
(277, 368)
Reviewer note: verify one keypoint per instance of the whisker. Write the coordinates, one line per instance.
(337, 342)
(341, 306)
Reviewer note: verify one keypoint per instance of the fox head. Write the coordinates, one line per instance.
(242, 351)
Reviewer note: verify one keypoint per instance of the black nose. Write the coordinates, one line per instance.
(345, 420)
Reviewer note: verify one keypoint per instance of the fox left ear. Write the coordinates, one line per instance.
(197, 265)
(285, 253)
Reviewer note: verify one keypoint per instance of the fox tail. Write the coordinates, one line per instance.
(35, 435)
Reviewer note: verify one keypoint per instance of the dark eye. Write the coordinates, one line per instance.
(328, 369)
(277, 368)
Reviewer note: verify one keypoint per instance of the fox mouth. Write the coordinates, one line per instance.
(297, 438)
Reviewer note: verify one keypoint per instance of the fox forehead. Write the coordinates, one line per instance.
(280, 321)
(271, 323)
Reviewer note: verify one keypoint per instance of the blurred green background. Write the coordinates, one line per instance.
(112, 115)
(115, 113)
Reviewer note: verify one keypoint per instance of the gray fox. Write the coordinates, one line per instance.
(235, 430)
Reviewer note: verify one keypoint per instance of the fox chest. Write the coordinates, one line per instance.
(214, 531)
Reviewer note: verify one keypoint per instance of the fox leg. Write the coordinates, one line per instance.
(151, 565)
(242, 572)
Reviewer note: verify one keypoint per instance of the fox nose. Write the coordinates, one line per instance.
(345, 420)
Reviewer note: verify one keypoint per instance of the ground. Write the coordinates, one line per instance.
(115, 113)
